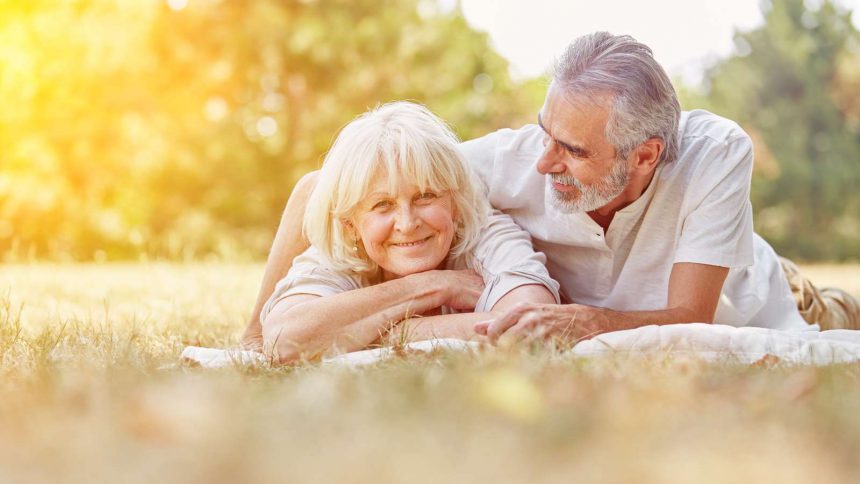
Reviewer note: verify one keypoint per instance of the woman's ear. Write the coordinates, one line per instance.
(350, 229)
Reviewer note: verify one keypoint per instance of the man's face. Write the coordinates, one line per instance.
(584, 171)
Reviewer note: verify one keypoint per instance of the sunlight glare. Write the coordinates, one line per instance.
(267, 126)
(216, 109)
(177, 5)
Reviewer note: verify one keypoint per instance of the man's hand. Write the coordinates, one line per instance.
(568, 323)
(694, 290)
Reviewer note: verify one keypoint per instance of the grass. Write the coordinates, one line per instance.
(91, 391)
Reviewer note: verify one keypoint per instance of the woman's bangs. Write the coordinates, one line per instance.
(428, 170)
(359, 169)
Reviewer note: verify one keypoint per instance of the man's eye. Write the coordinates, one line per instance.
(575, 153)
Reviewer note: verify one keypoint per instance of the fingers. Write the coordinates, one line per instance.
(529, 328)
(463, 288)
(532, 322)
(527, 322)
(465, 299)
(507, 320)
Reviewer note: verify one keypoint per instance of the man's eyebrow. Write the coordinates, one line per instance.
(574, 150)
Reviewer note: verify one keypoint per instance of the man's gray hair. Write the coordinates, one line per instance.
(645, 104)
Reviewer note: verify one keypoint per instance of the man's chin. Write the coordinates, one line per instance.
(562, 203)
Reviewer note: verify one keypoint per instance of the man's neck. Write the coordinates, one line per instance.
(635, 188)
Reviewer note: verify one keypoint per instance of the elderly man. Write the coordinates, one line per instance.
(643, 212)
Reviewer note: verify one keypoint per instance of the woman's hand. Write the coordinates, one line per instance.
(304, 325)
(464, 290)
(459, 289)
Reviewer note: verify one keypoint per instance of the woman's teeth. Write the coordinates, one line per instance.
(411, 244)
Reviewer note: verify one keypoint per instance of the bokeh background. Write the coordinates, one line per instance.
(175, 130)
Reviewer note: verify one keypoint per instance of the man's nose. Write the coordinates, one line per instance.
(550, 160)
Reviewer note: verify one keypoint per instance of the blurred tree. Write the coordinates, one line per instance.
(177, 129)
(793, 84)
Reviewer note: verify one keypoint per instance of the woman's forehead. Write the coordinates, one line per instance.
(381, 183)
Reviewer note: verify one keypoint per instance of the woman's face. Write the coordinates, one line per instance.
(406, 232)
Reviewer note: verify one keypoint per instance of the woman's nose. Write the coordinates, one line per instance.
(406, 220)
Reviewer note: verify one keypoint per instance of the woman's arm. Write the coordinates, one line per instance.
(461, 326)
(288, 244)
(307, 325)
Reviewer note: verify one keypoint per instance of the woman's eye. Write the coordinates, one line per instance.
(382, 204)
(427, 196)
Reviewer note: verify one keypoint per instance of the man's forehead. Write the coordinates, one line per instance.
(591, 104)
(576, 116)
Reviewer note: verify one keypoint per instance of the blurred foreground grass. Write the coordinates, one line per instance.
(90, 391)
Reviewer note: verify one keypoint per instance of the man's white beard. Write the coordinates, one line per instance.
(590, 197)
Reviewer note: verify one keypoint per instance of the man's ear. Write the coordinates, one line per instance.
(647, 155)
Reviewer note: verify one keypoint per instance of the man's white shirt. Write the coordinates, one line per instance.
(696, 209)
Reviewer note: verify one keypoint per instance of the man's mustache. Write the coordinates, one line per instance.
(565, 179)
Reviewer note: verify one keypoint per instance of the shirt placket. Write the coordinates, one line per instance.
(604, 262)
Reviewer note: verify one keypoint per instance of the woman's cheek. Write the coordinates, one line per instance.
(439, 217)
(376, 227)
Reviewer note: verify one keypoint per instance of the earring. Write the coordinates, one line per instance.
(355, 248)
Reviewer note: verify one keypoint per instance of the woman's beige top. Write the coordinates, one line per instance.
(503, 256)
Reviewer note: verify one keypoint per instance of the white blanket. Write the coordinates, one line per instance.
(217, 358)
(715, 342)
(710, 342)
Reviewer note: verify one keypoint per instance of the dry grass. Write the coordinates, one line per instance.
(90, 392)
(845, 276)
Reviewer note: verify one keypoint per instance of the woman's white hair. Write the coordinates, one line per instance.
(396, 138)
(645, 104)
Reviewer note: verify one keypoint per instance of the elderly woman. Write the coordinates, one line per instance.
(398, 228)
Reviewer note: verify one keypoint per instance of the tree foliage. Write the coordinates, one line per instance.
(794, 84)
(131, 127)
(177, 128)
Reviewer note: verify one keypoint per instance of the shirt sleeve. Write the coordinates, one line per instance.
(504, 162)
(309, 274)
(717, 224)
(506, 259)
(479, 154)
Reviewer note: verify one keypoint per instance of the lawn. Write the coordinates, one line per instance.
(92, 391)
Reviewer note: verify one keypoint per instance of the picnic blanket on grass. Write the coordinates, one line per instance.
(219, 358)
(711, 342)
(717, 342)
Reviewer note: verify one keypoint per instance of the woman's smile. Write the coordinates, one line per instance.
(413, 244)
(408, 231)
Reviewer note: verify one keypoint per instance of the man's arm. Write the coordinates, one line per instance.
(288, 244)
(694, 291)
